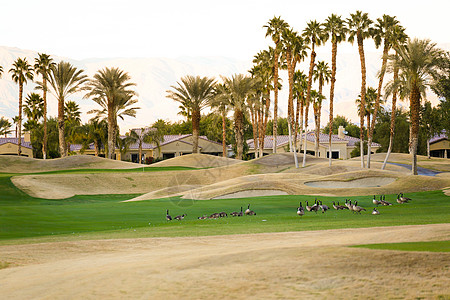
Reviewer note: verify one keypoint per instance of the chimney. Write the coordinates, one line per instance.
(341, 133)
(26, 137)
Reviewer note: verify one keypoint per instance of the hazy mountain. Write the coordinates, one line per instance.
(154, 76)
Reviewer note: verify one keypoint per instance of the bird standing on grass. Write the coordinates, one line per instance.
(300, 210)
(168, 217)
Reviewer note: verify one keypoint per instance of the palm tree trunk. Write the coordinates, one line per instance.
(61, 128)
(302, 108)
(305, 145)
(44, 96)
(391, 134)
(308, 95)
(275, 104)
(19, 121)
(266, 119)
(255, 129)
(377, 103)
(195, 129)
(224, 134)
(260, 131)
(111, 130)
(333, 81)
(239, 132)
(415, 118)
(96, 147)
(363, 95)
(316, 131)
(317, 118)
(140, 150)
(290, 66)
(297, 113)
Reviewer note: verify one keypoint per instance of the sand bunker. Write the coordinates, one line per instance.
(357, 183)
(252, 193)
(197, 161)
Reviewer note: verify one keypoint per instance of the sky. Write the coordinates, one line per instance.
(176, 28)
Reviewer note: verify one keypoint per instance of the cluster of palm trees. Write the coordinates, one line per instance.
(110, 88)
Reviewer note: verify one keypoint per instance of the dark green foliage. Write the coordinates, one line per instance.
(401, 135)
(283, 128)
(352, 129)
(37, 135)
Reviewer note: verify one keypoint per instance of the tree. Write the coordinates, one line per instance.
(371, 96)
(110, 88)
(382, 31)
(20, 73)
(359, 28)
(322, 74)
(313, 34)
(299, 89)
(275, 28)
(193, 94)
(398, 39)
(146, 135)
(65, 80)
(72, 120)
(96, 132)
(430, 122)
(5, 126)
(316, 99)
(238, 88)
(221, 104)
(351, 129)
(419, 62)
(336, 30)
(43, 65)
(382, 134)
(34, 110)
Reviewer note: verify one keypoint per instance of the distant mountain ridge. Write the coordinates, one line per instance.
(154, 76)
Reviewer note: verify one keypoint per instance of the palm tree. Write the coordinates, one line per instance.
(275, 28)
(321, 73)
(334, 28)
(398, 39)
(64, 80)
(369, 107)
(95, 132)
(239, 87)
(316, 100)
(419, 62)
(313, 34)
(300, 87)
(382, 31)
(34, 107)
(146, 135)
(221, 104)
(294, 49)
(110, 88)
(20, 73)
(43, 64)
(359, 27)
(5, 126)
(194, 94)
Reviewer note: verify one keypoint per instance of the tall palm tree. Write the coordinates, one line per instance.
(221, 104)
(313, 33)
(334, 28)
(300, 87)
(43, 64)
(20, 73)
(239, 87)
(146, 135)
(64, 80)
(34, 107)
(316, 100)
(369, 107)
(359, 28)
(419, 62)
(110, 88)
(398, 39)
(294, 50)
(381, 32)
(95, 131)
(275, 28)
(193, 93)
(322, 74)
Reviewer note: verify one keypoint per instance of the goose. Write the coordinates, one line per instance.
(399, 200)
(336, 207)
(348, 204)
(300, 210)
(168, 217)
(214, 216)
(223, 214)
(323, 207)
(240, 214)
(179, 218)
(204, 217)
(384, 202)
(357, 208)
(308, 208)
(406, 199)
(247, 211)
(234, 214)
(375, 201)
(375, 211)
(341, 206)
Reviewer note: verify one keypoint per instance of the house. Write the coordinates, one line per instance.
(10, 145)
(440, 145)
(171, 146)
(342, 144)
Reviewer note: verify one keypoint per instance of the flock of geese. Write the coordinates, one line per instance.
(317, 206)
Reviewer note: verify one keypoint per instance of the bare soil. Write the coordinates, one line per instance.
(291, 265)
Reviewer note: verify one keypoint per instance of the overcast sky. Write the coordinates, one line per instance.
(174, 28)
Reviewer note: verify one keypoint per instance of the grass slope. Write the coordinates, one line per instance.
(105, 216)
(434, 246)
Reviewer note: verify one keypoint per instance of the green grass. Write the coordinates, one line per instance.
(434, 246)
(24, 218)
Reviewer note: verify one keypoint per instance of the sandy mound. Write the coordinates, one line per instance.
(357, 183)
(166, 192)
(285, 159)
(290, 265)
(19, 164)
(434, 163)
(252, 193)
(197, 161)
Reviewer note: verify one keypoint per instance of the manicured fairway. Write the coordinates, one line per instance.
(434, 246)
(105, 216)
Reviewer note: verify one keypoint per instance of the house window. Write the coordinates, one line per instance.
(334, 154)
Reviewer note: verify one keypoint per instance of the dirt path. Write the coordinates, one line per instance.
(293, 265)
